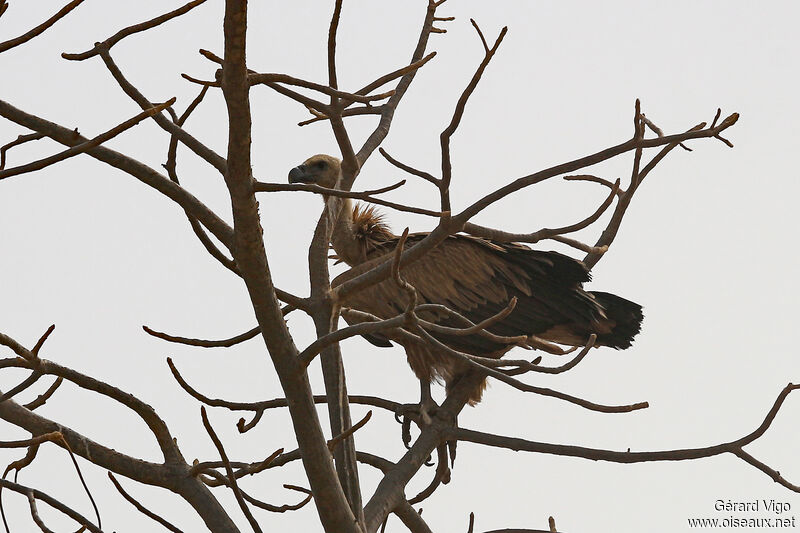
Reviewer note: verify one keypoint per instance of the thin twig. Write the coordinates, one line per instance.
(200, 149)
(130, 30)
(373, 401)
(395, 74)
(365, 328)
(546, 233)
(442, 475)
(171, 167)
(458, 113)
(83, 147)
(141, 508)
(35, 514)
(30, 380)
(335, 441)
(42, 398)
(526, 387)
(16, 142)
(224, 343)
(387, 114)
(349, 112)
(234, 487)
(42, 340)
(334, 26)
(411, 170)
(244, 469)
(268, 78)
(261, 186)
(628, 457)
(52, 502)
(65, 445)
(594, 179)
(27, 36)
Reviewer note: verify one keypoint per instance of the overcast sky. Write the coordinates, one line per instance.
(709, 246)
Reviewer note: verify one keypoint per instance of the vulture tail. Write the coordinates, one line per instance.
(626, 318)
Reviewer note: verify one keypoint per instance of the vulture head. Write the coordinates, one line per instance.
(320, 169)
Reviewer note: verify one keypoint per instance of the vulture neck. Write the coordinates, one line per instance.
(343, 238)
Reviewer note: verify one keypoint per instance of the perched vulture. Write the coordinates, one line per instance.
(477, 278)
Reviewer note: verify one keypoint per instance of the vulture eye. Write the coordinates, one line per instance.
(321, 165)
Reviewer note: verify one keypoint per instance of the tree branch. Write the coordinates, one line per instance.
(32, 494)
(444, 138)
(141, 508)
(25, 37)
(142, 172)
(229, 470)
(85, 146)
(130, 30)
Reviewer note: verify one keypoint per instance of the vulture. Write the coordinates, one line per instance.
(477, 278)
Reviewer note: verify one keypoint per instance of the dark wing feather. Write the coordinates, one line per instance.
(478, 278)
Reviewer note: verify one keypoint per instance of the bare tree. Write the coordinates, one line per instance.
(330, 464)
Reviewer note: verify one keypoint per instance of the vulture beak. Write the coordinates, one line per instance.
(300, 174)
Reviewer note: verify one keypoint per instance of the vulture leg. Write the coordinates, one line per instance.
(418, 412)
(426, 403)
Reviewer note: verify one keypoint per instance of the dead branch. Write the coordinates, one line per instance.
(285, 507)
(412, 67)
(234, 487)
(599, 250)
(349, 112)
(458, 113)
(272, 78)
(142, 172)
(367, 196)
(442, 475)
(568, 365)
(171, 167)
(449, 225)
(593, 179)
(145, 412)
(34, 494)
(200, 149)
(734, 447)
(46, 335)
(543, 391)
(141, 508)
(637, 175)
(22, 139)
(365, 328)
(335, 441)
(224, 343)
(30, 380)
(221, 480)
(85, 146)
(382, 129)
(546, 233)
(27, 36)
(54, 436)
(42, 398)
(411, 170)
(244, 469)
(130, 30)
(203, 83)
(659, 132)
(697, 132)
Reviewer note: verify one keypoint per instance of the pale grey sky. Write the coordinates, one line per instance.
(708, 246)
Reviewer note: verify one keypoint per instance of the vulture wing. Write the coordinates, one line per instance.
(477, 278)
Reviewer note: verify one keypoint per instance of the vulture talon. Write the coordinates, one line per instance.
(451, 448)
